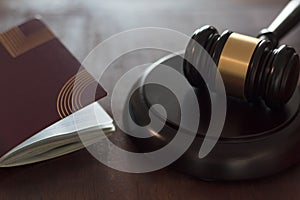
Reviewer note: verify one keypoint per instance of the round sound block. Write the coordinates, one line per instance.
(255, 141)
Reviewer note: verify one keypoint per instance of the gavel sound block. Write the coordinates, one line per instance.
(261, 132)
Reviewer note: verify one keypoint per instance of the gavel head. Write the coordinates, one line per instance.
(250, 67)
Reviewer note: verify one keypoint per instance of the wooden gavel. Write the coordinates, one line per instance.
(251, 68)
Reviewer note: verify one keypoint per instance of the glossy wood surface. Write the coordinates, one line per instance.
(81, 25)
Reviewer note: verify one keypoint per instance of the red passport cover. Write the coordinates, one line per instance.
(37, 78)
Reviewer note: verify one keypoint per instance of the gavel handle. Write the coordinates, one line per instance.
(288, 18)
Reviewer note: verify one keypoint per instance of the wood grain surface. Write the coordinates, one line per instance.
(81, 25)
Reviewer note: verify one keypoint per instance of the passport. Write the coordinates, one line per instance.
(39, 96)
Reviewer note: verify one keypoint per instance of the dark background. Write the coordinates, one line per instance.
(81, 25)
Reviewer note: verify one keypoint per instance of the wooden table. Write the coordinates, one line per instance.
(83, 24)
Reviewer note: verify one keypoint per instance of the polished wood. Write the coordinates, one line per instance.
(81, 25)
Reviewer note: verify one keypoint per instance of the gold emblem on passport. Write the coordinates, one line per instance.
(70, 96)
(17, 43)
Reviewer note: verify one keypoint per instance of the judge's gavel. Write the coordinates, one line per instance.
(251, 68)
